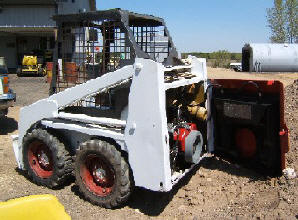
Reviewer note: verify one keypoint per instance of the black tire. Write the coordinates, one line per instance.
(59, 167)
(3, 112)
(117, 188)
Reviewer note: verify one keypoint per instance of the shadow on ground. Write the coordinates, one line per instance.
(68, 182)
(153, 203)
(229, 166)
(148, 202)
(7, 125)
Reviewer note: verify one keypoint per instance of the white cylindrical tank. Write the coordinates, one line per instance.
(270, 58)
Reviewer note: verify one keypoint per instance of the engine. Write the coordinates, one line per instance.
(186, 145)
(186, 123)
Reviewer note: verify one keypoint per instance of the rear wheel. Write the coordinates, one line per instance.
(102, 174)
(45, 158)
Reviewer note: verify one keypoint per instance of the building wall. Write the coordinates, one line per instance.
(8, 50)
(17, 14)
(73, 6)
(39, 15)
(27, 16)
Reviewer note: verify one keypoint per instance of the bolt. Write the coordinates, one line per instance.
(138, 67)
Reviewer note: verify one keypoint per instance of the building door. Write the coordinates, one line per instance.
(8, 50)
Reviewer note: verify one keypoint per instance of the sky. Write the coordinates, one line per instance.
(205, 25)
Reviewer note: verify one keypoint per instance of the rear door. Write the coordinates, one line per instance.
(247, 123)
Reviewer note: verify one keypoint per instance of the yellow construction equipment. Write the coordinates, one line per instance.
(46, 207)
(30, 66)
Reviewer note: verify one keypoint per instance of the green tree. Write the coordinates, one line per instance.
(221, 58)
(276, 17)
(291, 11)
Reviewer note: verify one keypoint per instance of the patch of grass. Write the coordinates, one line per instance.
(221, 58)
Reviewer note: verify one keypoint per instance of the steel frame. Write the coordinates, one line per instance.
(94, 43)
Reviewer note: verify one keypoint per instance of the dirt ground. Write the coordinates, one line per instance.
(216, 189)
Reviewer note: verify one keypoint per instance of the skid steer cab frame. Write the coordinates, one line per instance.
(94, 43)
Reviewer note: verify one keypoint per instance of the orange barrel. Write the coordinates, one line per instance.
(70, 72)
(5, 82)
(49, 71)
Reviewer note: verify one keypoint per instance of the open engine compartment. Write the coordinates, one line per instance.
(186, 115)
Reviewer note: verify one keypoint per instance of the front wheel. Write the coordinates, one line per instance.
(3, 112)
(46, 160)
(102, 174)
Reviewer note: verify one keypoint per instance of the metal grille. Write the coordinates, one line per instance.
(152, 40)
(89, 50)
(90, 45)
(237, 111)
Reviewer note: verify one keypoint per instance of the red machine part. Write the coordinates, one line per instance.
(273, 88)
(246, 142)
(181, 133)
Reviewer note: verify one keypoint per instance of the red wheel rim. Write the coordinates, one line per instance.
(97, 175)
(40, 159)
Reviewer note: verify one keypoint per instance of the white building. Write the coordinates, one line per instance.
(26, 26)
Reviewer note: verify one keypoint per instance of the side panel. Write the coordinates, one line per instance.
(146, 134)
(249, 125)
(48, 108)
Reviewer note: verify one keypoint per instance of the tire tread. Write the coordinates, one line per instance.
(110, 152)
(62, 159)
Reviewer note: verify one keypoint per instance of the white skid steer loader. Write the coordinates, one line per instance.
(113, 154)
(125, 112)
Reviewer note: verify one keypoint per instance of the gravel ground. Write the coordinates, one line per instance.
(216, 189)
